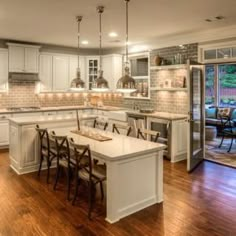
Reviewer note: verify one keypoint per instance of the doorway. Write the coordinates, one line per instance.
(220, 106)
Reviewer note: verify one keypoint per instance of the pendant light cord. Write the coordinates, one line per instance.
(100, 10)
(127, 32)
(79, 19)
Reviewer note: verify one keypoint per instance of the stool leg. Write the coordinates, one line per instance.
(57, 177)
(48, 165)
(223, 137)
(231, 144)
(102, 192)
(40, 164)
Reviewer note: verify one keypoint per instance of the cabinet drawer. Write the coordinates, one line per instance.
(49, 113)
(27, 114)
(5, 116)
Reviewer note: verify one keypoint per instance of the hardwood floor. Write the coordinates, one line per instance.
(201, 203)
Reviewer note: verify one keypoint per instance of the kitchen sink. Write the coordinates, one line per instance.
(118, 115)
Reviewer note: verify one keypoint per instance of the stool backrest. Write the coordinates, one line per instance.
(98, 123)
(143, 133)
(62, 145)
(117, 127)
(82, 157)
(44, 141)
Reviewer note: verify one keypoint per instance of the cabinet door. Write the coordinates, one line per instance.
(92, 67)
(45, 73)
(16, 59)
(60, 73)
(31, 60)
(3, 69)
(108, 71)
(4, 134)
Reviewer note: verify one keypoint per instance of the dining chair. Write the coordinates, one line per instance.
(144, 133)
(65, 159)
(87, 172)
(228, 129)
(116, 128)
(47, 149)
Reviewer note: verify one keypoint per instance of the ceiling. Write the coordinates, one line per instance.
(53, 21)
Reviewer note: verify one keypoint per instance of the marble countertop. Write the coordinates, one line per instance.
(120, 147)
(161, 115)
(48, 119)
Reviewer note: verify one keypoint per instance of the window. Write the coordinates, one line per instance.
(210, 85)
(220, 85)
(227, 84)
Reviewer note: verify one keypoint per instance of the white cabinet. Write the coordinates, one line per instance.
(23, 58)
(4, 134)
(92, 67)
(73, 64)
(45, 72)
(3, 69)
(60, 73)
(112, 67)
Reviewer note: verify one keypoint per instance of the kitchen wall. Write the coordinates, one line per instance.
(23, 94)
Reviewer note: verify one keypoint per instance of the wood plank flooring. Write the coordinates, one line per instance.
(202, 203)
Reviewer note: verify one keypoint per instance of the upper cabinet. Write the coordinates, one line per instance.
(112, 67)
(3, 69)
(23, 58)
(92, 67)
(60, 73)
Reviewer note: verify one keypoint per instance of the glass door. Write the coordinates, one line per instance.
(196, 117)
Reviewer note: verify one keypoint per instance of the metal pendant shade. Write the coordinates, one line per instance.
(126, 84)
(100, 84)
(77, 84)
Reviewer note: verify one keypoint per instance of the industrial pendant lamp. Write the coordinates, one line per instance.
(100, 84)
(77, 84)
(126, 84)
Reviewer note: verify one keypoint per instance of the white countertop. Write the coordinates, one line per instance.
(161, 115)
(61, 108)
(120, 147)
(48, 119)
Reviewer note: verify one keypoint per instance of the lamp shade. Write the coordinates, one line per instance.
(77, 84)
(126, 84)
(100, 84)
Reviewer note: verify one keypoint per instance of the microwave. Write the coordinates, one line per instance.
(139, 65)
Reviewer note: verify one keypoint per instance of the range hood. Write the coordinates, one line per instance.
(23, 77)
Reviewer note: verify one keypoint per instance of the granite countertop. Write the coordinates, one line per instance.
(161, 115)
(48, 119)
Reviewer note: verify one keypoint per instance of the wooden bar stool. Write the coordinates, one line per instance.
(65, 159)
(143, 133)
(100, 124)
(116, 128)
(86, 171)
(47, 149)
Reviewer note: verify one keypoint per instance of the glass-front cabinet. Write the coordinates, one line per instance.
(92, 70)
(140, 71)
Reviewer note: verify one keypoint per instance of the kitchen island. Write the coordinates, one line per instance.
(134, 167)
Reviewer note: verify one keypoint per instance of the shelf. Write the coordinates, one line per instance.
(168, 89)
(169, 67)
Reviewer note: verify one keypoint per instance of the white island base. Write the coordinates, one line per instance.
(134, 167)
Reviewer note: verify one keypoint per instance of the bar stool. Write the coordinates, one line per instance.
(47, 149)
(116, 128)
(65, 159)
(86, 171)
(100, 124)
(143, 133)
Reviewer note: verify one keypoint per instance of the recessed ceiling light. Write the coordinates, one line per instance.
(113, 34)
(85, 42)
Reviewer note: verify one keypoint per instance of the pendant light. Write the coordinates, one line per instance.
(126, 84)
(100, 84)
(77, 84)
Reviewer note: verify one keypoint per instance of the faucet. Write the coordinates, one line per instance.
(136, 106)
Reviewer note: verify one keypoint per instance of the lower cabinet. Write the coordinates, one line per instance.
(4, 134)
